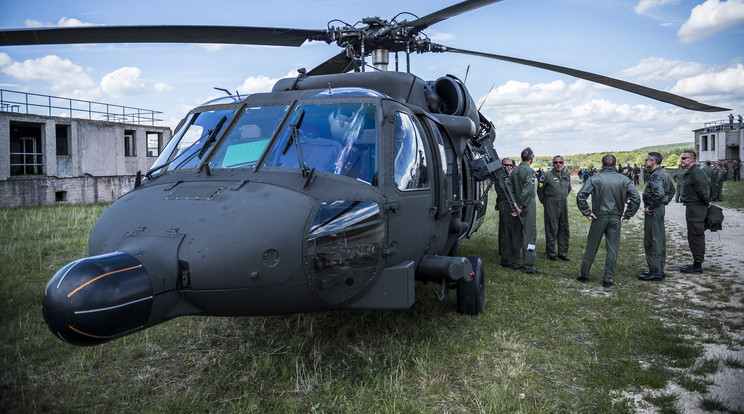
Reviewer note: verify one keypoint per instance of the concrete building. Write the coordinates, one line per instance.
(46, 159)
(720, 140)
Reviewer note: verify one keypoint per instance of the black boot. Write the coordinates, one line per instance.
(696, 267)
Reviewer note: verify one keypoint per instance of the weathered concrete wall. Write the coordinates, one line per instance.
(95, 171)
(77, 190)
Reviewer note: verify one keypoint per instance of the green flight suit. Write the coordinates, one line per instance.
(679, 178)
(718, 178)
(696, 198)
(658, 193)
(552, 190)
(508, 224)
(610, 192)
(522, 180)
(709, 174)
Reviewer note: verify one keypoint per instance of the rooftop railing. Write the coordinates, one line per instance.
(36, 104)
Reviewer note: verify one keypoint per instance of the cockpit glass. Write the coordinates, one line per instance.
(246, 142)
(339, 138)
(192, 141)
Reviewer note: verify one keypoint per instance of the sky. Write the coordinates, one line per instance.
(691, 48)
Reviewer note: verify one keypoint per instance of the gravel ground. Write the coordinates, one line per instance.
(724, 268)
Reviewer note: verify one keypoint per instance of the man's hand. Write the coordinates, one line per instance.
(624, 220)
(591, 217)
(648, 211)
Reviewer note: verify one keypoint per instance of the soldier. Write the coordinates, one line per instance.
(522, 181)
(636, 174)
(719, 177)
(658, 193)
(553, 191)
(507, 223)
(736, 168)
(679, 178)
(611, 194)
(696, 199)
(708, 171)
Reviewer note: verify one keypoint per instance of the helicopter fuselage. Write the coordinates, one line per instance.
(297, 200)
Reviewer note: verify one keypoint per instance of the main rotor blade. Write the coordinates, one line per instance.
(604, 80)
(273, 36)
(436, 17)
(340, 63)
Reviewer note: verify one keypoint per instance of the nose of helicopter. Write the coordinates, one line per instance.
(97, 299)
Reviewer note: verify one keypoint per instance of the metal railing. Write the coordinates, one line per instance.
(36, 104)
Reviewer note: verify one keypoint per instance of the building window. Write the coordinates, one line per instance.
(712, 142)
(704, 142)
(63, 139)
(130, 144)
(25, 149)
(154, 140)
(60, 196)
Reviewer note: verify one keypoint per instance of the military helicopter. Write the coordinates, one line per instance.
(336, 190)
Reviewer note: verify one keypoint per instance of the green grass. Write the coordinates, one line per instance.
(733, 194)
(544, 343)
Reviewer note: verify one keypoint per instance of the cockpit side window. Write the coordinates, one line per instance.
(411, 166)
(339, 138)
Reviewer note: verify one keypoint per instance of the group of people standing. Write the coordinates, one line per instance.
(614, 200)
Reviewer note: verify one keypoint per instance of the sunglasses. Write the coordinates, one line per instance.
(684, 158)
(557, 162)
(508, 165)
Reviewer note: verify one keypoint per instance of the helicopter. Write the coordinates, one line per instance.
(338, 189)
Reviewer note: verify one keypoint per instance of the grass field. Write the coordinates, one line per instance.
(544, 343)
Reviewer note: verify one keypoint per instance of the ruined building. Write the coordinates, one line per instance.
(58, 150)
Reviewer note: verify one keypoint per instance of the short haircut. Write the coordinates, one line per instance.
(656, 157)
(557, 156)
(527, 154)
(692, 153)
(609, 160)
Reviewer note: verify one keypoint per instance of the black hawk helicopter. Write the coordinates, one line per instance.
(336, 190)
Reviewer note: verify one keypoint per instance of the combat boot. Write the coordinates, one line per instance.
(696, 267)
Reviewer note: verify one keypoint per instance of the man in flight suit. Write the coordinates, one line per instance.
(522, 182)
(696, 198)
(679, 178)
(709, 173)
(658, 193)
(507, 224)
(611, 192)
(552, 191)
(719, 176)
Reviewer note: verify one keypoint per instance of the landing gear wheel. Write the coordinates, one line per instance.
(471, 293)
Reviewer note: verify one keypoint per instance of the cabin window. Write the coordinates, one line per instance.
(335, 138)
(704, 142)
(411, 166)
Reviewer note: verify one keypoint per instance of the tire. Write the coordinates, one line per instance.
(471, 293)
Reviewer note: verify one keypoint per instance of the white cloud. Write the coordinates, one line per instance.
(645, 5)
(711, 17)
(63, 22)
(5, 59)
(162, 87)
(123, 82)
(72, 22)
(213, 47)
(62, 74)
(260, 83)
(440, 36)
(654, 69)
(728, 81)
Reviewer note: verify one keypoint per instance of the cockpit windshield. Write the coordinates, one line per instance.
(191, 142)
(246, 142)
(339, 138)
